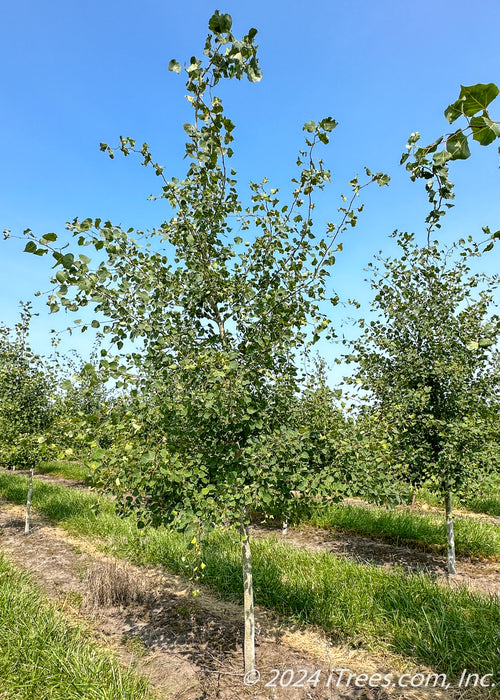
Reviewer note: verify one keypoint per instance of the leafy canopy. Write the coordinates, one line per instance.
(430, 363)
(218, 302)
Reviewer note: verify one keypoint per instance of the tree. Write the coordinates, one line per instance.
(26, 409)
(82, 404)
(26, 406)
(430, 364)
(218, 322)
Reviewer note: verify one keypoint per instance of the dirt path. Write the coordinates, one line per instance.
(189, 647)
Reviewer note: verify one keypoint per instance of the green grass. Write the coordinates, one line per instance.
(487, 501)
(472, 537)
(64, 469)
(44, 656)
(360, 604)
(490, 505)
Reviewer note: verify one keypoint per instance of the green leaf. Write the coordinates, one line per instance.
(441, 157)
(174, 66)
(309, 126)
(484, 131)
(49, 237)
(328, 124)
(220, 24)
(458, 146)
(67, 260)
(453, 111)
(472, 99)
(382, 179)
(31, 247)
(477, 97)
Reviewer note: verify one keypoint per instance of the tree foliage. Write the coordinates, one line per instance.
(218, 302)
(430, 162)
(429, 363)
(26, 407)
(222, 297)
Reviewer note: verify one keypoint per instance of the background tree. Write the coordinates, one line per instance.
(26, 402)
(82, 407)
(220, 320)
(429, 362)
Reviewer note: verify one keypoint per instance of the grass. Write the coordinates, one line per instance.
(487, 501)
(360, 604)
(64, 469)
(43, 655)
(472, 537)
(490, 505)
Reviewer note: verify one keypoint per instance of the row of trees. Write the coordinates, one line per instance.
(221, 301)
(48, 406)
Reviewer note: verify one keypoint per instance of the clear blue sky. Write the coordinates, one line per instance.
(74, 74)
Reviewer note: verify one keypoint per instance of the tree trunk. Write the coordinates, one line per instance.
(246, 558)
(28, 503)
(412, 504)
(450, 535)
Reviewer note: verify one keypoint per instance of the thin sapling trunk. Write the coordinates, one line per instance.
(246, 558)
(412, 504)
(28, 503)
(450, 535)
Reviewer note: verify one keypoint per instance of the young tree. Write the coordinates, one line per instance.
(430, 364)
(26, 401)
(221, 320)
(81, 407)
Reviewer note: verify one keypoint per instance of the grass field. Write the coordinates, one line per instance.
(427, 531)
(360, 604)
(44, 656)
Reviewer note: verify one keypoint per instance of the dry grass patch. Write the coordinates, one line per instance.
(114, 583)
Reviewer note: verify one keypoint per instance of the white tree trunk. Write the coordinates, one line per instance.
(28, 503)
(450, 535)
(249, 641)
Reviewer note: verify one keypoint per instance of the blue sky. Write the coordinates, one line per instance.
(74, 74)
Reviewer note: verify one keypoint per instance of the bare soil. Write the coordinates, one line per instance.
(188, 646)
